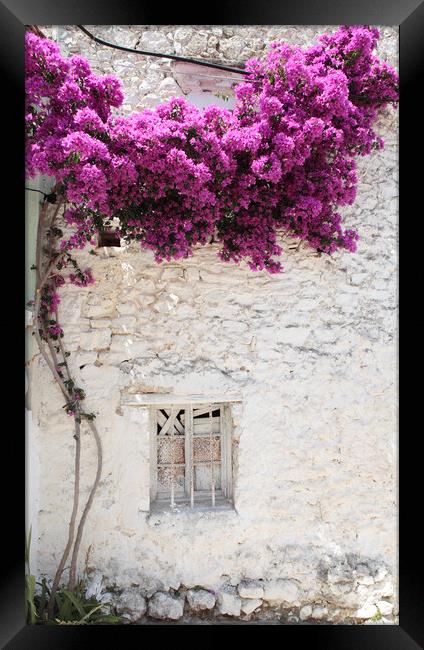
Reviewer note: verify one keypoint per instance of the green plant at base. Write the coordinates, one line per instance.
(31, 613)
(73, 607)
(70, 607)
(377, 616)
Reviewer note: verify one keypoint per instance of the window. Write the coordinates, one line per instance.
(108, 238)
(191, 455)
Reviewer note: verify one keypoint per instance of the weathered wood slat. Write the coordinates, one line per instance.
(173, 464)
(167, 400)
(166, 424)
(203, 410)
(200, 426)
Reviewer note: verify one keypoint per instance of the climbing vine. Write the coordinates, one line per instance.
(174, 177)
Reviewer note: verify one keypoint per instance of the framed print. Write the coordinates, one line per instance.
(211, 254)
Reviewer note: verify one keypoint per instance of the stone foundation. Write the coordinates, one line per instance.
(351, 590)
(203, 605)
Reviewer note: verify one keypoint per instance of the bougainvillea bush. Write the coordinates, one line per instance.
(283, 159)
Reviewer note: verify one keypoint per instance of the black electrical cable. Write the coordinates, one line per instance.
(50, 198)
(31, 189)
(175, 57)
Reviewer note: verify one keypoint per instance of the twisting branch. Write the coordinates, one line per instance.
(73, 569)
(53, 263)
(51, 365)
(41, 279)
(39, 285)
(71, 394)
(62, 351)
(72, 521)
(40, 233)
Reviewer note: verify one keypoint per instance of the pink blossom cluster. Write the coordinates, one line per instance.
(82, 278)
(54, 330)
(50, 298)
(62, 97)
(282, 160)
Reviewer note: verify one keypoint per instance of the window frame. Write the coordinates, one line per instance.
(204, 497)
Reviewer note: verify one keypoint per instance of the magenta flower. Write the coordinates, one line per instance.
(174, 176)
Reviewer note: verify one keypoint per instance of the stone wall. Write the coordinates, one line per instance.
(312, 355)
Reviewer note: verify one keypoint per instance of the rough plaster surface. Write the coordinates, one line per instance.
(312, 353)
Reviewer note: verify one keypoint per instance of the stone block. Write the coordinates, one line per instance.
(386, 590)
(146, 285)
(283, 591)
(385, 607)
(380, 621)
(82, 358)
(232, 48)
(101, 323)
(166, 305)
(249, 606)
(293, 335)
(183, 35)
(319, 612)
(155, 42)
(200, 599)
(250, 589)
(367, 611)
(191, 274)
(198, 43)
(70, 306)
(127, 308)
(229, 603)
(165, 606)
(129, 346)
(102, 381)
(96, 340)
(123, 325)
(356, 279)
(169, 88)
(235, 326)
(305, 612)
(131, 604)
(98, 308)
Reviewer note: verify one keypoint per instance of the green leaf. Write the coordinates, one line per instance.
(45, 595)
(27, 547)
(86, 616)
(108, 618)
(76, 603)
(59, 601)
(29, 597)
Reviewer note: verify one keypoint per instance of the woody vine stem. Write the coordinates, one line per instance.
(49, 338)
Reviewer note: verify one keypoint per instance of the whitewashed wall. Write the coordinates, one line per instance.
(312, 353)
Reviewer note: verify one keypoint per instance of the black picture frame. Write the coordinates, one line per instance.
(409, 16)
